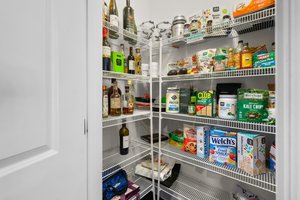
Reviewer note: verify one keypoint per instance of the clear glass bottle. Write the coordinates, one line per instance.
(125, 101)
(113, 19)
(238, 55)
(124, 140)
(104, 102)
(246, 57)
(130, 97)
(138, 61)
(230, 63)
(115, 101)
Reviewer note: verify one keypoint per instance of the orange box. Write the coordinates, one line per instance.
(249, 6)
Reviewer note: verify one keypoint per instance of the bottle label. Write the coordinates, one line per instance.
(105, 106)
(114, 20)
(131, 65)
(115, 103)
(125, 142)
(106, 52)
(237, 60)
(191, 109)
(125, 103)
(247, 60)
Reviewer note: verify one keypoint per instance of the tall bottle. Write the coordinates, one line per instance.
(110, 91)
(231, 62)
(124, 140)
(138, 61)
(126, 70)
(246, 57)
(104, 102)
(130, 60)
(125, 101)
(115, 101)
(113, 19)
(105, 12)
(129, 22)
(130, 97)
(238, 55)
(106, 51)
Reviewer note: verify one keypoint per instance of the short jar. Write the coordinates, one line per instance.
(228, 107)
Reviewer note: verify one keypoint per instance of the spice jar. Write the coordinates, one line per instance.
(186, 31)
(194, 25)
(178, 26)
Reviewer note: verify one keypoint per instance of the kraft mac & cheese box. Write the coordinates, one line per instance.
(252, 153)
(223, 147)
(202, 141)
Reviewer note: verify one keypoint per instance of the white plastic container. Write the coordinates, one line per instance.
(145, 69)
(228, 106)
(154, 69)
(172, 100)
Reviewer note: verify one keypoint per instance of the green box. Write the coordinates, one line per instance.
(117, 59)
(206, 103)
(263, 60)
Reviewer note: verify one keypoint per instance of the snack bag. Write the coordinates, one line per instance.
(176, 138)
(190, 139)
(223, 147)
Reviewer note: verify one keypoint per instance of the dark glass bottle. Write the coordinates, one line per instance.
(113, 19)
(124, 140)
(131, 62)
(106, 51)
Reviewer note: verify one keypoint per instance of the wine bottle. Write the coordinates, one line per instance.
(130, 60)
(113, 19)
(124, 140)
(106, 51)
(126, 70)
(128, 21)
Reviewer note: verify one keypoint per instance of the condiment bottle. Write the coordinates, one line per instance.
(192, 106)
(230, 63)
(238, 56)
(246, 57)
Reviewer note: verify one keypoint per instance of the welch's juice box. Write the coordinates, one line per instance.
(223, 147)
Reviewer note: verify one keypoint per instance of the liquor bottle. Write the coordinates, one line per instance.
(115, 101)
(138, 60)
(130, 61)
(246, 57)
(129, 22)
(126, 70)
(110, 91)
(130, 97)
(124, 140)
(230, 63)
(238, 55)
(114, 20)
(106, 51)
(104, 102)
(125, 101)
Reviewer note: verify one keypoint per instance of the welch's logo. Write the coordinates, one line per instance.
(223, 141)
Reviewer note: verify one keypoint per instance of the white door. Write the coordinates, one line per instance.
(43, 154)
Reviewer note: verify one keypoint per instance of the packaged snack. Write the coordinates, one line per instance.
(216, 16)
(176, 138)
(204, 59)
(202, 141)
(252, 153)
(206, 103)
(252, 105)
(190, 139)
(263, 60)
(184, 100)
(273, 158)
(223, 147)
(249, 6)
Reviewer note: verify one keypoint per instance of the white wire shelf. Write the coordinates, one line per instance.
(233, 124)
(123, 76)
(114, 161)
(187, 188)
(138, 115)
(156, 114)
(233, 28)
(264, 181)
(140, 41)
(243, 73)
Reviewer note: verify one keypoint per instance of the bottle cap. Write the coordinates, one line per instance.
(104, 87)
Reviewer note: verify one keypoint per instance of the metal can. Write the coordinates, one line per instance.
(172, 100)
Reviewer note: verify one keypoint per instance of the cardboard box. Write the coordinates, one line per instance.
(223, 147)
(263, 60)
(206, 103)
(252, 153)
(203, 141)
(245, 7)
(117, 61)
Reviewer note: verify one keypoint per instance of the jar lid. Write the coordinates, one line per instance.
(220, 57)
(230, 96)
(180, 19)
(145, 67)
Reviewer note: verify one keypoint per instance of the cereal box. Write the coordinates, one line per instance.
(206, 103)
(202, 141)
(223, 147)
(252, 153)
(190, 139)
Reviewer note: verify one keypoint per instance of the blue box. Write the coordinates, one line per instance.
(223, 147)
(202, 141)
